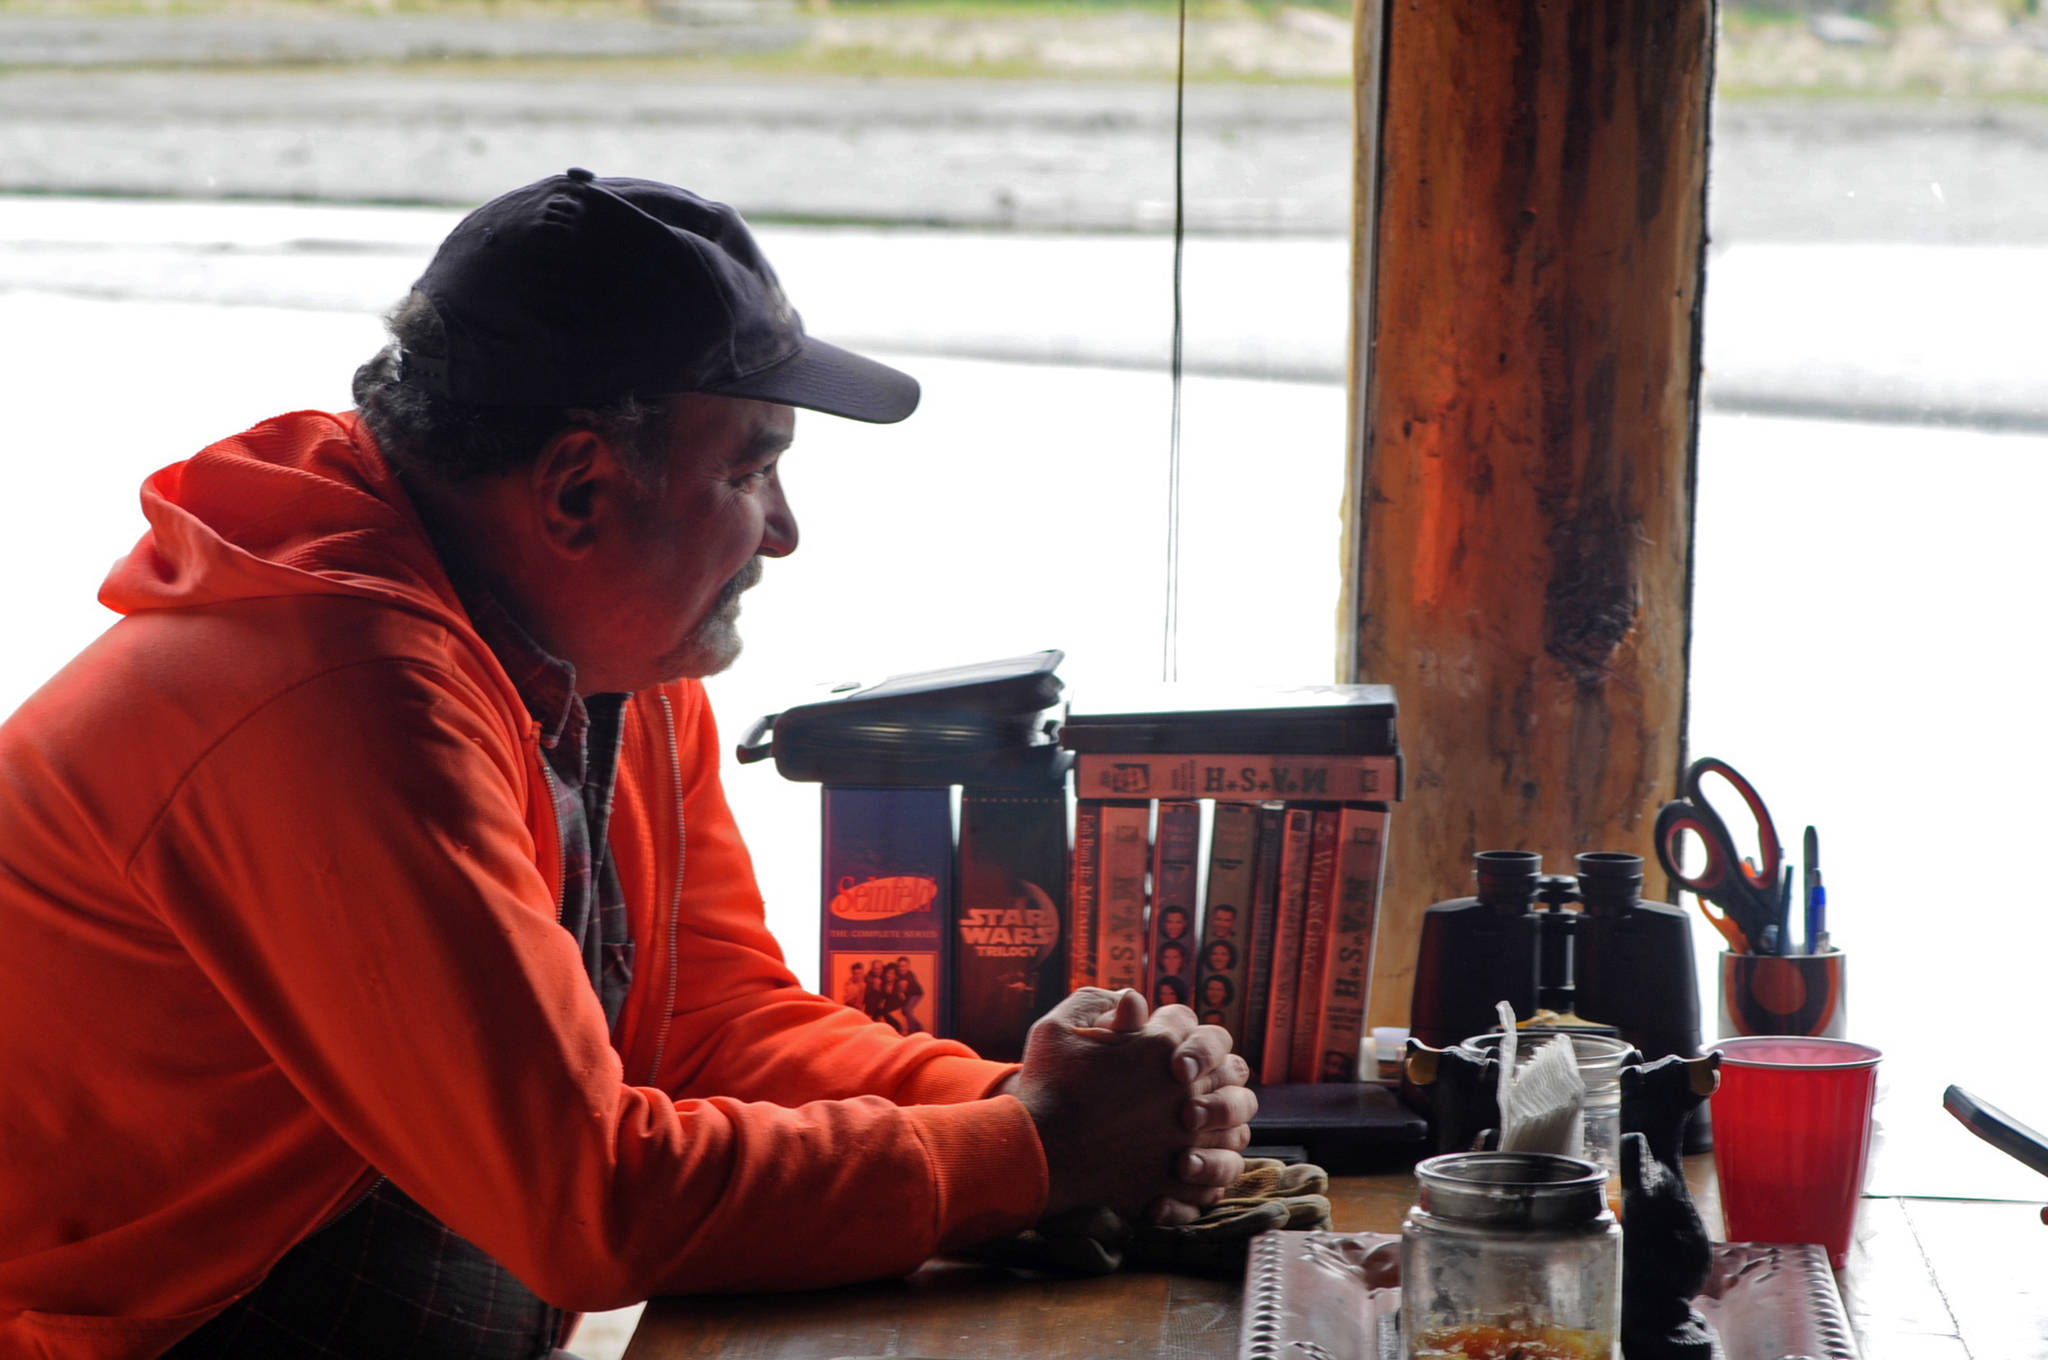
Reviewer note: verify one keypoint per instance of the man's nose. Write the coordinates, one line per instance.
(778, 532)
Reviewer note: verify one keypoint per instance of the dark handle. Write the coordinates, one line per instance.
(759, 743)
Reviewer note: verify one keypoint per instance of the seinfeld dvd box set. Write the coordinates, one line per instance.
(988, 848)
(888, 868)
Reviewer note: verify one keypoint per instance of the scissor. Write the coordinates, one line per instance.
(1746, 893)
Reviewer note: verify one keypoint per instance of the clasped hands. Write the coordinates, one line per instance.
(1145, 1114)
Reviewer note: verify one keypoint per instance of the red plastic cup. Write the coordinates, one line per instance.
(1792, 1138)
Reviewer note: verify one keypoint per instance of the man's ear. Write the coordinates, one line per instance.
(572, 485)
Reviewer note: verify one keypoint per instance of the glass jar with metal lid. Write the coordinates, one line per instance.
(1600, 1058)
(1510, 1254)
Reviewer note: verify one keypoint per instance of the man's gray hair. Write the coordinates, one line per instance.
(428, 436)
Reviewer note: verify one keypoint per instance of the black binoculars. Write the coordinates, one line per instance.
(1618, 961)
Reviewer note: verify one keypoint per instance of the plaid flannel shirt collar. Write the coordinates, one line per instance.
(545, 681)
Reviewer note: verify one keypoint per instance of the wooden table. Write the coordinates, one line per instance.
(1926, 1280)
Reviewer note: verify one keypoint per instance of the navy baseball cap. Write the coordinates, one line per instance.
(578, 291)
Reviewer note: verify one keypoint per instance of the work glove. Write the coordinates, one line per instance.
(1270, 1178)
(1085, 1241)
(1270, 1194)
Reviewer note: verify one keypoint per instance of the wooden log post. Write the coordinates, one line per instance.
(1531, 227)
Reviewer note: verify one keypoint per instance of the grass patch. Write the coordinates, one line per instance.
(995, 11)
(979, 11)
(1911, 95)
(1740, 17)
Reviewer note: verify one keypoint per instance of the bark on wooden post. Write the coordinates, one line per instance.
(1523, 472)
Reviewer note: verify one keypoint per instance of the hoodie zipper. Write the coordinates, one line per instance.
(345, 1210)
(561, 854)
(675, 901)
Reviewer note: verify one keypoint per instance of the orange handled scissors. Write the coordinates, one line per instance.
(1746, 893)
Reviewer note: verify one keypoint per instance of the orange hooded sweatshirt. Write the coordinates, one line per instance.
(278, 887)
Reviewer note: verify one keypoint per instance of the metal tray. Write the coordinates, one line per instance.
(1332, 1296)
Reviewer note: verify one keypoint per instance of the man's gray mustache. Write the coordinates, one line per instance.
(747, 578)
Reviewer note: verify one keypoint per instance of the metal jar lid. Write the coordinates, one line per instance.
(1600, 1056)
(1512, 1189)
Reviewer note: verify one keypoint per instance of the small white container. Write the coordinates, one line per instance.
(1600, 1059)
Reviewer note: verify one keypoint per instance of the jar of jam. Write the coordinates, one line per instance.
(1510, 1256)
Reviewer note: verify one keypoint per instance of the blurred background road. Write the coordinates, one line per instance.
(1877, 205)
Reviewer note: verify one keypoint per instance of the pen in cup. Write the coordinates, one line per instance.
(1816, 897)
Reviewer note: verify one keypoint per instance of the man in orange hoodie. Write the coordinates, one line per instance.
(387, 975)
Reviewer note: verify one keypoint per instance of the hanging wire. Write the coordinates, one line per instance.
(1170, 648)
